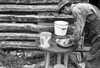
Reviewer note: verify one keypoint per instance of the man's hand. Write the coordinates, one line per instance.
(62, 42)
(65, 42)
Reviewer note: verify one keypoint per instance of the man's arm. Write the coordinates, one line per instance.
(80, 20)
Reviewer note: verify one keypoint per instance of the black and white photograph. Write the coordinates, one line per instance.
(49, 34)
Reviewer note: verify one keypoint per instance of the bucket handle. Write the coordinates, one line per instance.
(62, 28)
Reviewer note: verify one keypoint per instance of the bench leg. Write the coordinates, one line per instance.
(66, 55)
(59, 58)
(47, 59)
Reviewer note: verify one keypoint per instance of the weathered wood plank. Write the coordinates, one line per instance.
(18, 36)
(80, 1)
(35, 18)
(28, 28)
(17, 44)
(28, 8)
(29, 1)
(24, 27)
(48, 13)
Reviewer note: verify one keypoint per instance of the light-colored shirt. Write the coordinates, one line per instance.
(84, 12)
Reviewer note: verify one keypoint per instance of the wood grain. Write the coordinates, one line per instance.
(34, 18)
(24, 27)
(29, 1)
(28, 8)
(18, 36)
(17, 44)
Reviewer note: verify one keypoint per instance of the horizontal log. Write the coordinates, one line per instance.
(28, 8)
(24, 27)
(28, 28)
(28, 1)
(18, 36)
(35, 18)
(17, 44)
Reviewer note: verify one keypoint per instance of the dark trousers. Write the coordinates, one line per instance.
(94, 63)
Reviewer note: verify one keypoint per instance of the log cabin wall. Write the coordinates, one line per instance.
(80, 1)
(22, 20)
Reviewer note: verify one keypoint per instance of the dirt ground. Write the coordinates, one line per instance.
(9, 60)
